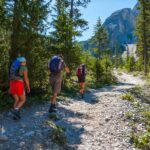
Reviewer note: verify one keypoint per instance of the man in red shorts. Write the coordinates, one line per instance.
(18, 81)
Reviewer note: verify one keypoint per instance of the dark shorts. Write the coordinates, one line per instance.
(55, 83)
(81, 79)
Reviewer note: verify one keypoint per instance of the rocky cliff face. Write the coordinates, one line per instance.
(121, 26)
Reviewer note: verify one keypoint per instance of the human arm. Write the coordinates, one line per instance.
(64, 66)
(26, 80)
(67, 70)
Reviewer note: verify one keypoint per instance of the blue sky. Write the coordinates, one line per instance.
(102, 9)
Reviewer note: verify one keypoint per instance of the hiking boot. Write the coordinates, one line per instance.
(82, 96)
(16, 114)
(52, 108)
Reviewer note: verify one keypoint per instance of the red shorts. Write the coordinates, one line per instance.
(17, 88)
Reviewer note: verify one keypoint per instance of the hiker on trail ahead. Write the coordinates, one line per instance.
(56, 65)
(81, 78)
(18, 80)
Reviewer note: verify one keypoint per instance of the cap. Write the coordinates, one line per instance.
(21, 59)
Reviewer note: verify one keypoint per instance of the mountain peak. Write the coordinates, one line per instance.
(121, 25)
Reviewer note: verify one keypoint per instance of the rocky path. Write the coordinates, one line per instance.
(95, 123)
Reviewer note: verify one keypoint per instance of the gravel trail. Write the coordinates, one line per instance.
(95, 123)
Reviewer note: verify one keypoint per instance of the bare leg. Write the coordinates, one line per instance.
(82, 87)
(22, 100)
(53, 103)
(53, 98)
(16, 98)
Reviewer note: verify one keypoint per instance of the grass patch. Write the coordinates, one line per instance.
(128, 97)
(136, 90)
(140, 134)
(129, 115)
(53, 116)
(135, 74)
(146, 117)
(136, 104)
(141, 140)
(119, 73)
(57, 134)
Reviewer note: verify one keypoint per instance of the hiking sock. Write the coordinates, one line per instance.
(82, 95)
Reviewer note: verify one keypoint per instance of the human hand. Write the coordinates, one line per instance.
(28, 90)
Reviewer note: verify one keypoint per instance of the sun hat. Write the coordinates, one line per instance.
(21, 59)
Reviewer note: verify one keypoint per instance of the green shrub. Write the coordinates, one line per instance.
(136, 90)
(128, 97)
(130, 64)
(135, 74)
(146, 116)
(136, 104)
(141, 140)
(5, 101)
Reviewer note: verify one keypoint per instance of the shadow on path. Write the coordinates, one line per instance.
(32, 131)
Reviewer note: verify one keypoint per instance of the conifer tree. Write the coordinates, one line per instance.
(66, 22)
(143, 32)
(100, 38)
(28, 21)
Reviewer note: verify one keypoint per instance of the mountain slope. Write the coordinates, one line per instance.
(121, 26)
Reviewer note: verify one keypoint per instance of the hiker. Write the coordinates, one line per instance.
(81, 78)
(18, 81)
(55, 66)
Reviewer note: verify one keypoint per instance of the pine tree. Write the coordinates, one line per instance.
(75, 15)
(26, 25)
(28, 22)
(143, 32)
(100, 38)
(66, 22)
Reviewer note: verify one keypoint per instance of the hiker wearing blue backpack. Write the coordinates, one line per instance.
(81, 78)
(56, 65)
(18, 80)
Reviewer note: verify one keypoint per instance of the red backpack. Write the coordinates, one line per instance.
(79, 72)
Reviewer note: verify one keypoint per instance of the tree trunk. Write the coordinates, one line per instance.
(99, 49)
(127, 49)
(71, 9)
(116, 53)
(145, 49)
(14, 50)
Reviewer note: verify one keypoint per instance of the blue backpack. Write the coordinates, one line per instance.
(55, 65)
(14, 70)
